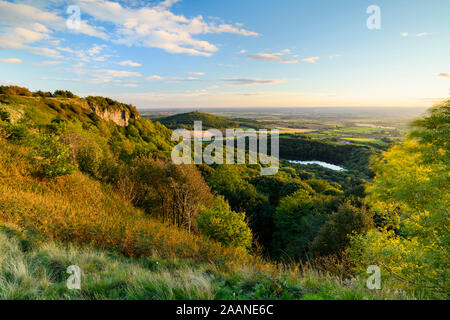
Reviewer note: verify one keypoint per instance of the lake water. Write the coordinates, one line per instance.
(320, 163)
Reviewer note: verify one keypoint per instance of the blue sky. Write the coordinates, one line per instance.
(229, 53)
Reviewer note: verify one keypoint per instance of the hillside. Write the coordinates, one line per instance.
(80, 186)
(186, 121)
(209, 121)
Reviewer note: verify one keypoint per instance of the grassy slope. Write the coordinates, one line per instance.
(31, 269)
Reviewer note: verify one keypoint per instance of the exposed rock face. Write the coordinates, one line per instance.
(120, 117)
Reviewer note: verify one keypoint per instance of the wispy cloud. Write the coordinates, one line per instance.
(423, 34)
(130, 63)
(271, 57)
(48, 63)
(249, 82)
(404, 34)
(105, 75)
(197, 73)
(444, 75)
(170, 79)
(311, 59)
(11, 60)
(333, 56)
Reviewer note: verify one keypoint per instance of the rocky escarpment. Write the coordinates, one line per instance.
(111, 110)
(120, 117)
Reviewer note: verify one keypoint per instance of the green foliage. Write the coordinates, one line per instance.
(229, 181)
(52, 157)
(298, 218)
(334, 235)
(4, 115)
(225, 225)
(323, 186)
(433, 132)
(63, 94)
(411, 195)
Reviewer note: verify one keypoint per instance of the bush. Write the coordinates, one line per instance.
(334, 235)
(63, 94)
(52, 158)
(4, 115)
(15, 90)
(224, 225)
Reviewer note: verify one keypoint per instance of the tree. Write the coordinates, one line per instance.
(230, 182)
(333, 236)
(225, 225)
(171, 192)
(297, 219)
(411, 192)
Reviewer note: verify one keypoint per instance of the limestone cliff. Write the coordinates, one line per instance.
(120, 117)
(108, 109)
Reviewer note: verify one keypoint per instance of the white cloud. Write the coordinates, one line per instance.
(444, 75)
(96, 49)
(130, 63)
(333, 56)
(11, 60)
(271, 57)
(30, 17)
(423, 34)
(25, 27)
(197, 73)
(168, 3)
(404, 34)
(250, 82)
(311, 59)
(242, 51)
(105, 75)
(155, 77)
(158, 27)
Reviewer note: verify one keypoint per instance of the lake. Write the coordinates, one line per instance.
(320, 163)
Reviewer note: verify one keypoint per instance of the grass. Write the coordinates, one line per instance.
(33, 269)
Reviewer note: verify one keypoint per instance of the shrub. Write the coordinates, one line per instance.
(224, 225)
(334, 235)
(4, 115)
(52, 158)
